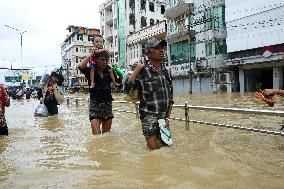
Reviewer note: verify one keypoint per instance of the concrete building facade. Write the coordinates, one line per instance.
(133, 23)
(76, 46)
(255, 40)
(196, 35)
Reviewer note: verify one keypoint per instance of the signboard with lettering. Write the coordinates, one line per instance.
(182, 69)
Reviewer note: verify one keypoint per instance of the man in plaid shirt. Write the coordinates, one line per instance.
(156, 92)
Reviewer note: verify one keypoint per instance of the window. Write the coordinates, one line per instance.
(193, 51)
(220, 47)
(76, 49)
(143, 21)
(131, 19)
(208, 47)
(207, 19)
(152, 22)
(143, 50)
(179, 52)
(142, 5)
(131, 53)
(91, 38)
(115, 24)
(79, 37)
(151, 6)
(162, 9)
(219, 14)
(83, 49)
(102, 32)
(131, 3)
(137, 52)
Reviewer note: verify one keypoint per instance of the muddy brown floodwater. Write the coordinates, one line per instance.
(60, 152)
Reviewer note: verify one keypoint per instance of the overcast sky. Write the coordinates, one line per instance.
(45, 23)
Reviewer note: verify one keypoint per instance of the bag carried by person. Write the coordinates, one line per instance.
(41, 111)
(133, 96)
(165, 132)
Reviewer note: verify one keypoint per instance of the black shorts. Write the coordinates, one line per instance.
(52, 108)
(102, 110)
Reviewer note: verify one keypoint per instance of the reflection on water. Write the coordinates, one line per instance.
(60, 152)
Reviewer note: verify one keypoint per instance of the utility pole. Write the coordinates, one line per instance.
(21, 34)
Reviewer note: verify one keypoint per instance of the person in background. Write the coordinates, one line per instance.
(28, 93)
(4, 102)
(156, 92)
(100, 108)
(50, 94)
(271, 93)
(19, 93)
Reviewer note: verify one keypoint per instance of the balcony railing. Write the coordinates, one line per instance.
(187, 31)
(178, 10)
(146, 33)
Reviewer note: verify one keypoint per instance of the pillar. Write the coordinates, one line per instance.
(277, 77)
(242, 80)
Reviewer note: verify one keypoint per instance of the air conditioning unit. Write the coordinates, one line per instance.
(224, 78)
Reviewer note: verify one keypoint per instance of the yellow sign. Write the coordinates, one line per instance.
(26, 76)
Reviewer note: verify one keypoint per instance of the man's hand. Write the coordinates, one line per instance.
(41, 100)
(139, 66)
(136, 71)
(167, 120)
(270, 92)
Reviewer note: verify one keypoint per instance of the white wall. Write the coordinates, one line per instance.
(2, 76)
(252, 24)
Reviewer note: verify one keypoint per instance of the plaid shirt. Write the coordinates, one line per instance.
(155, 88)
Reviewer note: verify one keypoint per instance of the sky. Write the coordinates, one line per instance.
(45, 23)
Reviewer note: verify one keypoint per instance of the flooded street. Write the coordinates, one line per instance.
(60, 151)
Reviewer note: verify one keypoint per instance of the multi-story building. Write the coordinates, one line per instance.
(74, 49)
(126, 26)
(144, 20)
(109, 28)
(255, 40)
(196, 35)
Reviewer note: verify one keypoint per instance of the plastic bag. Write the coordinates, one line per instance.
(133, 96)
(41, 111)
(166, 135)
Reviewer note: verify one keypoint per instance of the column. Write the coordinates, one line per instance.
(242, 80)
(277, 77)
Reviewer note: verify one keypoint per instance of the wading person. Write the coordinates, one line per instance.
(4, 102)
(156, 93)
(272, 92)
(50, 94)
(100, 108)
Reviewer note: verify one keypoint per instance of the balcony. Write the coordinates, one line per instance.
(109, 19)
(158, 30)
(178, 10)
(182, 34)
(109, 34)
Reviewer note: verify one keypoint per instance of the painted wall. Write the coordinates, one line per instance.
(250, 24)
(121, 33)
